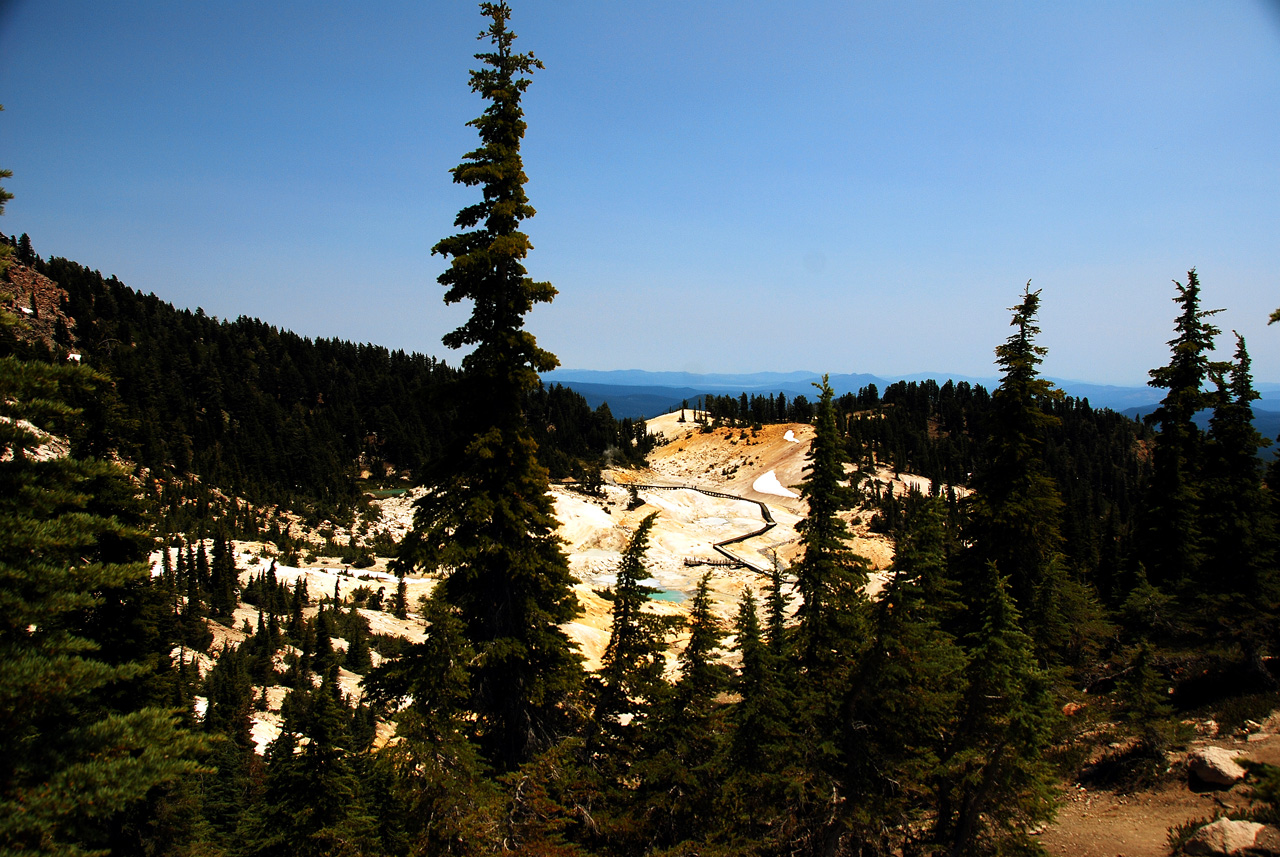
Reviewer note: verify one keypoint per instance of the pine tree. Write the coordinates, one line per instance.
(775, 600)
(907, 691)
(1172, 543)
(761, 776)
(994, 782)
(1016, 509)
(357, 658)
(204, 575)
(830, 577)
(678, 774)
(79, 745)
(229, 691)
(435, 771)
(1238, 525)
(313, 802)
(26, 254)
(400, 604)
(1241, 580)
(223, 577)
(631, 671)
(488, 521)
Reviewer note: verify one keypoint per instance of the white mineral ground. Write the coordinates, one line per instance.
(765, 465)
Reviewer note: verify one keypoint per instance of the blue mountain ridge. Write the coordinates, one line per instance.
(637, 393)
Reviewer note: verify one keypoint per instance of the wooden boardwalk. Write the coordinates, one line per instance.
(730, 560)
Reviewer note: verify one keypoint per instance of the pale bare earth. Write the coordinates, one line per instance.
(1098, 823)
(766, 466)
(730, 461)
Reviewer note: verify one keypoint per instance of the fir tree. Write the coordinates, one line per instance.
(435, 772)
(1016, 509)
(678, 774)
(907, 690)
(1238, 524)
(1241, 580)
(488, 521)
(76, 750)
(1173, 541)
(761, 777)
(1144, 703)
(994, 782)
(223, 577)
(312, 802)
(357, 658)
(400, 604)
(229, 691)
(776, 612)
(631, 671)
(830, 577)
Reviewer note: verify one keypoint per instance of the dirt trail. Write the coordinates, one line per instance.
(1098, 823)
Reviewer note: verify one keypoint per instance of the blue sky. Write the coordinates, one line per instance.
(721, 186)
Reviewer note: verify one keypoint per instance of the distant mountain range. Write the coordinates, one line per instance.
(636, 393)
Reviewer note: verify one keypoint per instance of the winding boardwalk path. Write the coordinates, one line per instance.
(731, 560)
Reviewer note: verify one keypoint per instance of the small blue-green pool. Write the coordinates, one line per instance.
(674, 595)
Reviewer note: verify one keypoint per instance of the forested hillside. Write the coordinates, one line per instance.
(267, 414)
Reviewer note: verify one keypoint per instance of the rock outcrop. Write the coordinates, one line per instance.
(1215, 766)
(1224, 836)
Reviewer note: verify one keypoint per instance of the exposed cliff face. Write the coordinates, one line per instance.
(38, 302)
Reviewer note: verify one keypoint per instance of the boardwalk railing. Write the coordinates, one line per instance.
(731, 560)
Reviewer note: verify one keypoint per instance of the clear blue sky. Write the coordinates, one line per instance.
(721, 186)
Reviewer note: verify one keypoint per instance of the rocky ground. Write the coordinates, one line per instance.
(1105, 823)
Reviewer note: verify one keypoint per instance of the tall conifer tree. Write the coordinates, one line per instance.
(488, 521)
(907, 690)
(1016, 510)
(1236, 507)
(993, 782)
(631, 671)
(1172, 544)
(1241, 580)
(830, 577)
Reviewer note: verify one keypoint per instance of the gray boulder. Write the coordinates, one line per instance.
(1223, 836)
(1215, 766)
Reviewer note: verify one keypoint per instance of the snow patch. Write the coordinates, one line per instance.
(769, 484)
(790, 436)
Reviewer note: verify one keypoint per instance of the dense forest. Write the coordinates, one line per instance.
(272, 416)
(1074, 582)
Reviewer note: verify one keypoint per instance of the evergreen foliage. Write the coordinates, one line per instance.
(275, 417)
(906, 694)
(678, 778)
(920, 722)
(994, 782)
(630, 680)
(1172, 544)
(83, 737)
(830, 578)
(487, 520)
(1015, 516)
(1239, 530)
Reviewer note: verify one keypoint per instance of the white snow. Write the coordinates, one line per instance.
(790, 436)
(769, 484)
